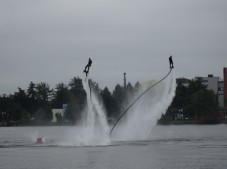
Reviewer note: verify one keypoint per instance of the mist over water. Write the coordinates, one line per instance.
(137, 123)
(143, 116)
(93, 128)
(168, 147)
(96, 129)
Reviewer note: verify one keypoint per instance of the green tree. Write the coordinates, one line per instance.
(14, 112)
(129, 90)
(195, 85)
(190, 111)
(32, 99)
(109, 103)
(43, 115)
(44, 93)
(136, 87)
(24, 118)
(204, 102)
(21, 98)
(77, 100)
(180, 97)
(74, 110)
(76, 86)
(6, 103)
(60, 95)
(119, 98)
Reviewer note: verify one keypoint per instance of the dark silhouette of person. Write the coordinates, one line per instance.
(87, 67)
(171, 62)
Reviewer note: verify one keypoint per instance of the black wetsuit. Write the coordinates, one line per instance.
(170, 62)
(87, 67)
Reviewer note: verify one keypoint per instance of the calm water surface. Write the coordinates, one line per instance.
(169, 147)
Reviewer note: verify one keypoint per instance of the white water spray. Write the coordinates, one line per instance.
(96, 129)
(93, 129)
(136, 125)
(144, 114)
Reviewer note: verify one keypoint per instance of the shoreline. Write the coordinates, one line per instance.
(179, 122)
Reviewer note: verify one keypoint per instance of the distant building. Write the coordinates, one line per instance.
(216, 85)
(225, 86)
(221, 94)
(211, 82)
(60, 111)
(56, 111)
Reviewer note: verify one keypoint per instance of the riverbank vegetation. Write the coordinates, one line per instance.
(33, 106)
(192, 104)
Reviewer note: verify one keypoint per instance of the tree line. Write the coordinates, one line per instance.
(32, 106)
(194, 102)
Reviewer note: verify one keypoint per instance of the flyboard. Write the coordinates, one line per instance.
(126, 110)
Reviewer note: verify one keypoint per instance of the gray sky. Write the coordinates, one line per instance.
(51, 40)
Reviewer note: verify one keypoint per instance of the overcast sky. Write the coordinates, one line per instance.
(51, 40)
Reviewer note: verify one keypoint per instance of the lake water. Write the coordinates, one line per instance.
(168, 147)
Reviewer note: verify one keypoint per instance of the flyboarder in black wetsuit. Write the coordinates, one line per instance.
(171, 62)
(87, 67)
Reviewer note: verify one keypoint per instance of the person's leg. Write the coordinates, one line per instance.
(86, 67)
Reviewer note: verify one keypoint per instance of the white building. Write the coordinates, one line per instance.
(60, 111)
(211, 82)
(221, 94)
(214, 84)
(56, 111)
